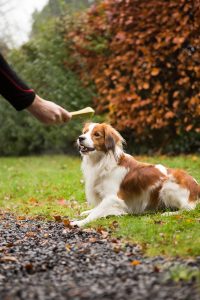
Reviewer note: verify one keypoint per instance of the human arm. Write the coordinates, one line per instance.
(20, 96)
(48, 112)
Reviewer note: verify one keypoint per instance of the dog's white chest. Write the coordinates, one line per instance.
(109, 183)
(102, 182)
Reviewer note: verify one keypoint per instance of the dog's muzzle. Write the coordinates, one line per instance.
(84, 150)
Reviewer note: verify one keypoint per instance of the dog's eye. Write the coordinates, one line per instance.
(97, 134)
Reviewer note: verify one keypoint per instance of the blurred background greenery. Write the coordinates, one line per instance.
(40, 62)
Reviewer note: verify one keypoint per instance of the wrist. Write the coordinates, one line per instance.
(37, 100)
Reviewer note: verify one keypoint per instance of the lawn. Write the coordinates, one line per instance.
(51, 186)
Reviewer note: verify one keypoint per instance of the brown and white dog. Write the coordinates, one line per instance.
(117, 184)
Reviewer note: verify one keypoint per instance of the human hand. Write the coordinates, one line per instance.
(48, 112)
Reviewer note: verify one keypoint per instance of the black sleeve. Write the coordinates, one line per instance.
(13, 89)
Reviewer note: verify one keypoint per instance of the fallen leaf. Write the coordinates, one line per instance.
(114, 240)
(100, 228)
(189, 220)
(178, 217)
(62, 202)
(159, 222)
(156, 269)
(33, 200)
(104, 234)
(114, 225)
(57, 218)
(19, 218)
(135, 262)
(9, 245)
(28, 267)
(68, 247)
(67, 223)
(117, 249)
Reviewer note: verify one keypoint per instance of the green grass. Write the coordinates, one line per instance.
(181, 272)
(38, 186)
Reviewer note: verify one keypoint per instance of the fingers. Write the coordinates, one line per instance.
(54, 114)
(60, 116)
(48, 112)
(66, 116)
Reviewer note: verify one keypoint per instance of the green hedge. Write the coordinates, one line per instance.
(41, 64)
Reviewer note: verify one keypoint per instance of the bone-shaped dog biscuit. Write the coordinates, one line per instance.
(85, 112)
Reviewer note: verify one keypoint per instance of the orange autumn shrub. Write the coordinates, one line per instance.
(144, 58)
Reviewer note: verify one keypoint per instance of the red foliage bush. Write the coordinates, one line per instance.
(144, 58)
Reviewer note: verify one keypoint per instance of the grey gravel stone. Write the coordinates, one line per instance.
(46, 261)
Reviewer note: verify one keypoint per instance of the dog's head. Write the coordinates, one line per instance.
(97, 137)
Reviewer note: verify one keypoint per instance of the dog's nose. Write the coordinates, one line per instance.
(81, 138)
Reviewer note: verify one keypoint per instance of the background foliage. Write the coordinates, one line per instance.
(144, 59)
(41, 62)
(136, 61)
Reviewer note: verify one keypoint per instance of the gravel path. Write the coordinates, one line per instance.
(47, 260)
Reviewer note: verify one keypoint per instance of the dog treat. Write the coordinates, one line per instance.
(85, 112)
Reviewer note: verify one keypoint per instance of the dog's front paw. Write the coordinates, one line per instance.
(170, 213)
(86, 212)
(77, 223)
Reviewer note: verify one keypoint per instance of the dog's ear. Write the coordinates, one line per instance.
(111, 138)
(113, 141)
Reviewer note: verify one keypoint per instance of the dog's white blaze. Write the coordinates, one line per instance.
(162, 169)
(88, 139)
